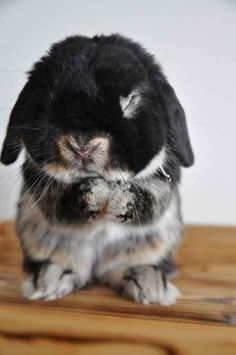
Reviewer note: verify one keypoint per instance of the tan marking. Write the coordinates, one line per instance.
(35, 249)
(55, 169)
(65, 152)
(101, 152)
(117, 174)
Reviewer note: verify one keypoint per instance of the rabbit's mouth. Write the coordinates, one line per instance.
(86, 155)
(68, 175)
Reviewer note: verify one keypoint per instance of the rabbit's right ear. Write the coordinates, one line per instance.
(177, 124)
(13, 141)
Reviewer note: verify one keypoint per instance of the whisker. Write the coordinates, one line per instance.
(17, 169)
(137, 214)
(31, 191)
(16, 52)
(203, 124)
(12, 71)
(42, 195)
(3, 210)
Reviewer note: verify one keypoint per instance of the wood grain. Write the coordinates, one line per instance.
(97, 321)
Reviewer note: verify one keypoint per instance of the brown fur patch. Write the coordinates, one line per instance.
(63, 143)
(101, 153)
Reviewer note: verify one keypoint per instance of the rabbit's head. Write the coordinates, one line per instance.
(97, 107)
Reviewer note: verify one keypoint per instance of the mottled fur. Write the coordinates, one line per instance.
(104, 136)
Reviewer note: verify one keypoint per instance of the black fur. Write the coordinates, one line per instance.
(34, 267)
(76, 88)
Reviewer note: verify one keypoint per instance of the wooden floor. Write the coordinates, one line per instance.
(97, 321)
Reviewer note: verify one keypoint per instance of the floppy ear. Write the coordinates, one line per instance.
(13, 141)
(177, 124)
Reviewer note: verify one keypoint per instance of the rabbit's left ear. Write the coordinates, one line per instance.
(12, 144)
(177, 125)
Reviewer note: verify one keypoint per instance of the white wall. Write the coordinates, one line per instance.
(195, 43)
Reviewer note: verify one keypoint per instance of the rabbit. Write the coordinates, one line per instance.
(105, 138)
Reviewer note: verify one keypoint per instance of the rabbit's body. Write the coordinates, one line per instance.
(106, 247)
(90, 209)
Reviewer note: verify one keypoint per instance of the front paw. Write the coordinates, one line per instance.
(120, 206)
(95, 193)
(51, 283)
(145, 284)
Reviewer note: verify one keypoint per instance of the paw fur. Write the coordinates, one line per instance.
(145, 285)
(96, 194)
(51, 284)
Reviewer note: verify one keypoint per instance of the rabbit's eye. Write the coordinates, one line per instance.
(130, 104)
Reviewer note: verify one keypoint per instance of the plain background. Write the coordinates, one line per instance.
(195, 43)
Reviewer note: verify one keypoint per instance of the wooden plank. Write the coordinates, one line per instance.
(52, 331)
(96, 320)
(207, 279)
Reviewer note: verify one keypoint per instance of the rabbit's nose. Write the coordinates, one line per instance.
(84, 153)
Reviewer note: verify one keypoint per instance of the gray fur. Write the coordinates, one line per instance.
(106, 248)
